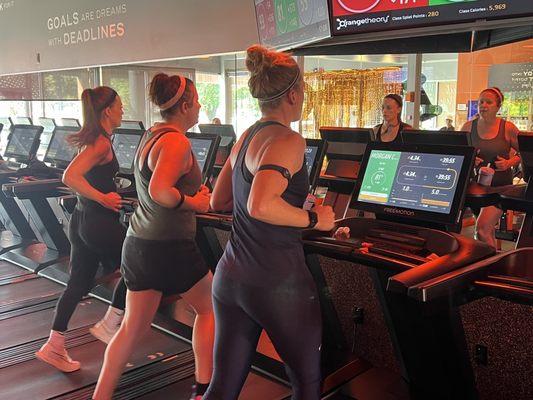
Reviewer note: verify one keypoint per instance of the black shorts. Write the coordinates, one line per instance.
(168, 266)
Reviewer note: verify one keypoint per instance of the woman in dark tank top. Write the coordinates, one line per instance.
(262, 281)
(160, 256)
(389, 130)
(496, 141)
(95, 232)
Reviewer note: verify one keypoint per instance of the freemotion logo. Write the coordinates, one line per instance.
(399, 211)
(345, 23)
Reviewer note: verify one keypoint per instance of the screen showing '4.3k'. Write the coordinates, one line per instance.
(419, 181)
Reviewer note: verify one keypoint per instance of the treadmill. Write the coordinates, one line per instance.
(227, 140)
(72, 122)
(446, 138)
(126, 139)
(494, 301)
(344, 153)
(205, 149)
(49, 124)
(376, 339)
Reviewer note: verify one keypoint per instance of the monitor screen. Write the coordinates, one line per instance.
(286, 24)
(225, 131)
(200, 148)
(70, 122)
(125, 146)
(457, 138)
(48, 124)
(414, 180)
(310, 157)
(357, 16)
(22, 141)
(59, 150)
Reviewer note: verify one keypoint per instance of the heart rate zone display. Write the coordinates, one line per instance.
(417, 181)
(356, 16)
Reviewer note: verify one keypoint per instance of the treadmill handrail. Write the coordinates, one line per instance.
(441, 286)
(22, 188)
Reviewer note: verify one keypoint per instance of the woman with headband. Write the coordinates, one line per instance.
(496, 141)
(95, 232)
(262, 281)
(160, 256)
(389, 130)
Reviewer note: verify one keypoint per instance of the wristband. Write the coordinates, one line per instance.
(313, 219)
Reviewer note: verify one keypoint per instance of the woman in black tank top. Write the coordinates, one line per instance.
(262, 281)
(95, 232)
(160, 255)
(496, 141)
(389, 130)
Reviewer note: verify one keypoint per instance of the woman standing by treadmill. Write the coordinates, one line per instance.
(389, 130)
(95, 232)
(496, 141)
(160, 255)
(262, 281)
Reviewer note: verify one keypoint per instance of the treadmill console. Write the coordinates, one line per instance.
(60, 152)
(227, 140)
(314, 156)
(446, 138)
(72, 122)
(205, 149)
(23, 142)
(125, 146)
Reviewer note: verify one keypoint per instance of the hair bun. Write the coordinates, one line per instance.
(258, 58)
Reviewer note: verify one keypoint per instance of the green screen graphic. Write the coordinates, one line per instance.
(379, 176)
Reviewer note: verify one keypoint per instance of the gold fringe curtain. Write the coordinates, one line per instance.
(348, 98)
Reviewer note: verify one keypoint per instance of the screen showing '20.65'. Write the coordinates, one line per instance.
(419, 181)
(356, 16)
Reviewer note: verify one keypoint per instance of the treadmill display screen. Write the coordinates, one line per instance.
(419, 181)
(125, 147)
(200, 148)
(21, 142)
(310, 157)
(59, 149)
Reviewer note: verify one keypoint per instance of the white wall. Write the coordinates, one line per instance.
(138, 30)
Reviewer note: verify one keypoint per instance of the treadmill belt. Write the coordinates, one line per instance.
(30, 292)
(9, 270)
(33, 326)
(37, 380)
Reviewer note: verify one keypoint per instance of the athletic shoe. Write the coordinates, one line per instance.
(57, 358)
(103, 332)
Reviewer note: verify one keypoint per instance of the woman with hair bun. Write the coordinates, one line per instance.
(262, 281)
(496, 141)
(389, 130)
(160, 256)
(95, 232)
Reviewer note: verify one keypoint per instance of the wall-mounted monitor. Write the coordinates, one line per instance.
(287, 24)
(358, 16)
(23, 142)
(447, 138)
(60, 152)
(419, 182)
(70, 122)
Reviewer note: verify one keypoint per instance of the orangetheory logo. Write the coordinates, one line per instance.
(344, 23)
(360, 9)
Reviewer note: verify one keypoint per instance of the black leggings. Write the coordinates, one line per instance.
(96, 239)
(291, 318)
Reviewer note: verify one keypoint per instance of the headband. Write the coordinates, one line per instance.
(497, 91)
(172, 102)
(280, 94)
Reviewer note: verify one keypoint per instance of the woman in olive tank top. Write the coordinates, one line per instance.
(496, 141)
(160, 255)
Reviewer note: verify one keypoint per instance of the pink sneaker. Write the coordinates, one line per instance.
(57, 358)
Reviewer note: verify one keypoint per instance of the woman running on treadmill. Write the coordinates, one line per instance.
(389, 130)
(496, 141)
(160, 255)
(262, 281)
(95, 232)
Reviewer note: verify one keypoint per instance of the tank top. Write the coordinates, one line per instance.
(258, 253)
(490, 149)
(152, 221)
(397, 139)
(102, 178)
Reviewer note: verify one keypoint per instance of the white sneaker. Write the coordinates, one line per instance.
(103, 332)
(57, 358)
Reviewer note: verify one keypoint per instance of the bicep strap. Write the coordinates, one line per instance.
(282, 170)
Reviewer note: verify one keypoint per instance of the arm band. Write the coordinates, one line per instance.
(282, 170)
(181, 201)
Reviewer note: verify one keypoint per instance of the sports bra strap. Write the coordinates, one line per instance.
(271, 167)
